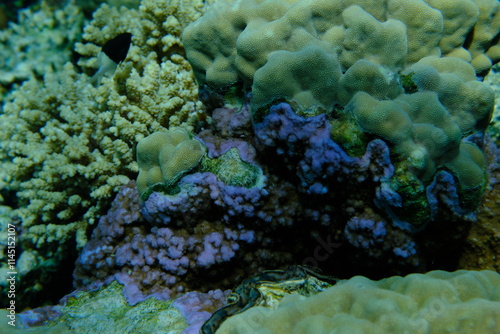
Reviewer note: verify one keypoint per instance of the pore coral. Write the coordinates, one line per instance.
(375, 70)
(163, 157)
(436, 302)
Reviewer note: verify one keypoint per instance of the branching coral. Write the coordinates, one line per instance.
(66, 147)
(47, 32)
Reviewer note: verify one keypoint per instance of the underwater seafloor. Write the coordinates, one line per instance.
(250, 166)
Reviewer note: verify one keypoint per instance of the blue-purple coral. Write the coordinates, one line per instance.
(205, 234)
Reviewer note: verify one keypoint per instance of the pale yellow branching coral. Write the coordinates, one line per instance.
(67, 146)
(49, 31)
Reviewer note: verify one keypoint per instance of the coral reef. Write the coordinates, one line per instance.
(437, 302)
(197, 307)
(163, 157)
(201, 230)
(343, 135)
(66, 147)
(371, 85)
(162, 260)
(493, 80)
(46, 32)
(106, 311)
(482, 246)
(262, 42)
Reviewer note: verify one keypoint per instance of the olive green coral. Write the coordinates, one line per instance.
(404, 71)
(106, 311)
(436, 302)
(66, 147)
(163, 157)
(232, 170)
(241, 40)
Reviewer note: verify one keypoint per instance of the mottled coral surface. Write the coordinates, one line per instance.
(378, 168)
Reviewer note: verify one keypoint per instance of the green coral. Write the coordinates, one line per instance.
(408, 85)
(377, 69)
(66, 147)
(232, 170)
(107, 311)
(436, 302)
(164, 157)
(277, 48)
(415, 207)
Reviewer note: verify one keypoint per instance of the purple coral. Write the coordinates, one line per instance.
(210, 234)
(152, 260)
(197, 307)
(305, 143)
(443, 191)
(201, 193)
(377, 239)
(365, 233)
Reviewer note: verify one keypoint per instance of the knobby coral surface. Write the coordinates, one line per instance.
(66, 146)
(436, 302)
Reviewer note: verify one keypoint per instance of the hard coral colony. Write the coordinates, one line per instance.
(325, 138)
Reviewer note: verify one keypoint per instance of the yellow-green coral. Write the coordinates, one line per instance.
(48, 31)
(436, 302)
(401, 70)
(107, 311)
(163, 157)
(236, 39)
(66, 146)
(232, 170)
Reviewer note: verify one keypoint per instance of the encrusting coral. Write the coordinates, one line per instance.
(380, 172)
(435, 302)
(107, 311)
(66, 147)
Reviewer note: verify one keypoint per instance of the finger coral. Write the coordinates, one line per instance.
(66, 147)
(47, 31)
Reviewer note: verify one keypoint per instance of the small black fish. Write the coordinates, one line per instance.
(112, 53)
(117, 48)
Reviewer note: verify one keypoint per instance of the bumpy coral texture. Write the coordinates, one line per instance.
(197, 307)
(163, 260)
(436, 302)
(377, 70)
(237, 39)
(207, 232)
(47, 31)
(163, 157)
(482, 246)
(107, 311)
(493, 79)
(340, 211)
(66, 147)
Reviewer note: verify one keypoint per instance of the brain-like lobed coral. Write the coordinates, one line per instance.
(236, 39)
(163, 157)
(436, 302)
(377, 70)
(373, 166)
